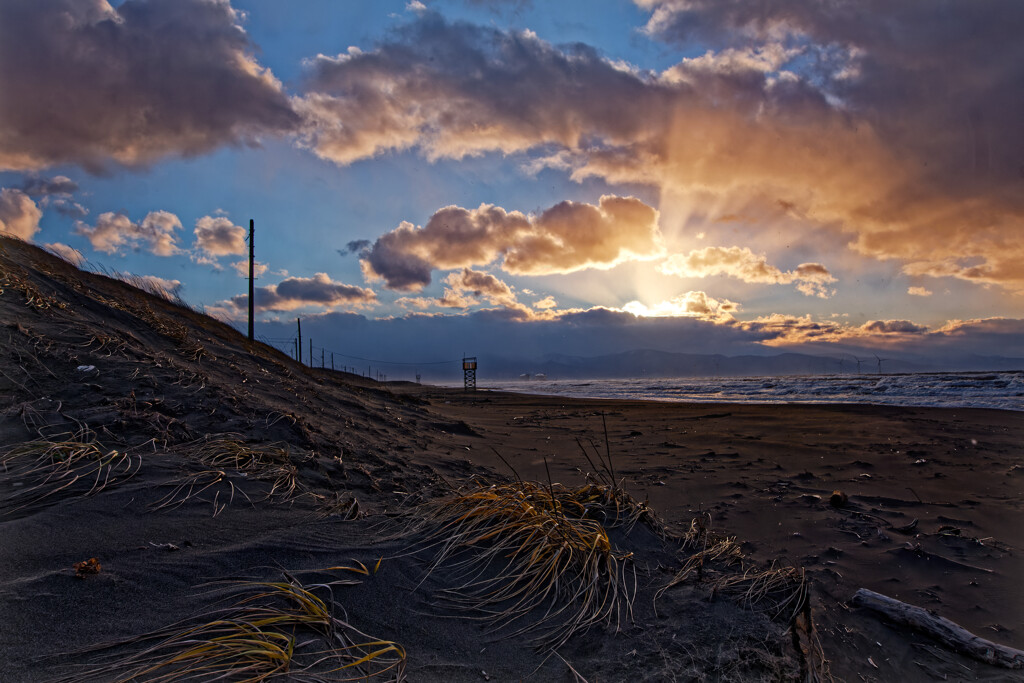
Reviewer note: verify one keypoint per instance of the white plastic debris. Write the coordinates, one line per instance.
(86, 368)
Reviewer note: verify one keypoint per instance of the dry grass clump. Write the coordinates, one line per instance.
(34, 298)
(780, 591)
(530, 558)
(217, 460)
(272, 631)
(73, 466)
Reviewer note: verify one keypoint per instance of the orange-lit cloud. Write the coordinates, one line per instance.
(242, 268)
(299, 292)
(84, 82)
(19, 215)
(468, 286)
(218, 236)
(919, 291)
(567, 237)
(906, 140)
(742, 263)
(688, 305)
(113, 232)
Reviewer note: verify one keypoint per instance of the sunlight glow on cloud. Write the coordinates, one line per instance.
(743, 264)
(218, 236)
(19, 215)
(567, 237)
(804, 103)
(688, 305)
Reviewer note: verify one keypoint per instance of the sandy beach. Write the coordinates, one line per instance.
(210, 461)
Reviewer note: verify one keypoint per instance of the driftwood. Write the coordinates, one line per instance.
(945, 631)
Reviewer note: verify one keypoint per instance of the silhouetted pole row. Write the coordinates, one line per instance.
(298, 343)
(252, 257)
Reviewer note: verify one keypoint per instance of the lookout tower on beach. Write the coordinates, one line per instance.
(469, 373)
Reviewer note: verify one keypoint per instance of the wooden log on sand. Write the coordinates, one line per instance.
(945, 631)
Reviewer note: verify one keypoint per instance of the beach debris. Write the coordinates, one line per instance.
(838, 499)
(170, 547)
(872, 662)
(948, 530)
(941, 629)
(87, 567)
(920, 461)
(86, 368)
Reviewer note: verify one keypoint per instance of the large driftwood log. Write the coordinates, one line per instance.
(945, 631)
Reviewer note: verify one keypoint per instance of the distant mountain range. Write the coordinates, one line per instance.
(651, 363)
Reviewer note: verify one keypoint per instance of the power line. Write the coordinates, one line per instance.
(274, 341)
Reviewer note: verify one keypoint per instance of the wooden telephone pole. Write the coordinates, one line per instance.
(252, 256)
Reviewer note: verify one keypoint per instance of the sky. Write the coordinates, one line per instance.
(432, 178)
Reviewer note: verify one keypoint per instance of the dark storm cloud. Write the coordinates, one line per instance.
(299, 292)
(86, 83)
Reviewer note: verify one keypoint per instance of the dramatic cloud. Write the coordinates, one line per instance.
(114, 232)
(19, 215)
(84, 82)
(892, 123)
(938, 87)
(299, 292)
(218, 236)
(68, 253)
(567, 237)
(467, 287)
(789, 330)
(742, 263)
(689, 305)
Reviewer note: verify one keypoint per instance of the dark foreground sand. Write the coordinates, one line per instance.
(167, 381)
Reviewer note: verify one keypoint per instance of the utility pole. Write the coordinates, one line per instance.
(310, 352)
(298, 344)
(252, 257)
(332, 361)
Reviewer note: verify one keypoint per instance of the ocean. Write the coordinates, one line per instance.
(1002, 390)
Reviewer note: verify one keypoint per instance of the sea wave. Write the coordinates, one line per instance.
(1000, 390)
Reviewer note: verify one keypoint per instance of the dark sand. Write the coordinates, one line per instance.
(166, 377)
